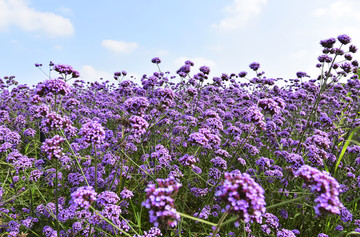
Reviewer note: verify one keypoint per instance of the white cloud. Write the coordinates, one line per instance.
(339, 9)
(198, 61)
(65, 11)
(342, 17)
(239, 13)
(89, 73)
(119, 46)
(18, 13)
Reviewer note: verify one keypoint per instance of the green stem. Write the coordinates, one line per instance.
(31, 198)
(219, 223)
(197, 219)
(56, 197)
(96, 163)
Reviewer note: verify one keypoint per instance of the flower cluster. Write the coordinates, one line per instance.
(92, 132)
(54, 121)
(242, 196)
(52, 147)
(54, 86)
(324, 186)
(136, 105)
(138, 126)
(83, 197)
(67, 70)
(161, 203)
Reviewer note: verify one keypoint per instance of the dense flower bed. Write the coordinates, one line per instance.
(226, 156)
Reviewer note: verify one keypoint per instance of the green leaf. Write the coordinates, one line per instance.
(345, 148)
(286, 202)
(353, 233)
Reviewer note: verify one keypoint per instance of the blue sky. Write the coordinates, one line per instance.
(100, 38)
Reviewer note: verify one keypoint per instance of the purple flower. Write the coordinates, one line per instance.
(253, 115)
(54, 121)
(160, 202)
(23, 163)
(324, 58)
(322, 235)
(52, 147)
(35, 175)
(328, 43)
(320, 139)
(344, 39)
(326, 188)
(138, 125)
(162, 155)
(219, 162)
(184, 70)
(254, 66)
(188, 160)
(339, 228)
(156, 60)
(111, 212)
(353, 49)
(205, 212)
(126, 194)
(49, 232)
(93, 132)
(205, 70)
(30, 132)
(346, 67)
(242, 196)
(242, 74)
(198, 138)
(153, 232)
(83, 197)
(345, 215)
(301, 74)
(270, 105)
(55, 86)
(136, 105)
(107, 197)
(285, 233)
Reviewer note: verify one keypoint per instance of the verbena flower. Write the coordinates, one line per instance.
(92, 132)
(136, 105)
(254, 66)
(161, 203)
(83, 197)
(52, 147)
(55, 86)
(156, 60)
(107, 197)
(138, 126)
(344, 39)
(285, 233)
(324, 186)
(242, 196)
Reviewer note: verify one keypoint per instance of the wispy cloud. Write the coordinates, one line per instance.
(342, 17)
(339, 10)
(239, 13)
(119, 46)
(89, 73)
(18, 13)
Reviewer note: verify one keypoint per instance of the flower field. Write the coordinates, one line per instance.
(185, 154)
